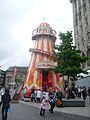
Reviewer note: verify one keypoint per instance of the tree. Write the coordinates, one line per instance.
(68, 59)
(17, 80)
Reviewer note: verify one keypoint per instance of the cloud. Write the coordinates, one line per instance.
(18, 18)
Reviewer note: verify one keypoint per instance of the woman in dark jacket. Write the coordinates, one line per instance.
(6, 98)
(51, 101)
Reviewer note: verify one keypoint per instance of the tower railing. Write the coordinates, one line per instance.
(43, 31)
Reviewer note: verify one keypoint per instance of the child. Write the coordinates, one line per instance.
(42, 106)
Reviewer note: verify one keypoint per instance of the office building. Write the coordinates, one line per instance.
(81, 22)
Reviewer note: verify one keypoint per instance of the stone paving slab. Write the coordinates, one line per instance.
(83, 111)
(27, 112)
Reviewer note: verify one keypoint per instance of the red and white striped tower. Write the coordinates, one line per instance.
(41, 58)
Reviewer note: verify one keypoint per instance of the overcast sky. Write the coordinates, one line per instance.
(18, 18)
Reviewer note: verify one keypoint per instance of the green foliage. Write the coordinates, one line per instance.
(17, 79)
(69, 59)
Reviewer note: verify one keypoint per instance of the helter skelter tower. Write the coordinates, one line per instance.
(42, 58)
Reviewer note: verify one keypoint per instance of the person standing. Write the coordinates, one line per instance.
(84, 93)
(32, 95)
(2, 91)
(89, 92)
(6, 98)
(39, 95)
(79, 92)
(42, 106)
(59, 97)
(67, 92)
(51, 101)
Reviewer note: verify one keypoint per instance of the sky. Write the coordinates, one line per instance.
(18, 18)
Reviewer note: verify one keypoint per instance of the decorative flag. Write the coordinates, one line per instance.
(15, 71)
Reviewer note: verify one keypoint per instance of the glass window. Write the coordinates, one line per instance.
(79, 4)
(88, 36)
(76, 22)
(88, 54)
(80, 17)
(84, 6)
(86, 21)
(81, 29)
(75, 6)
(82, 42)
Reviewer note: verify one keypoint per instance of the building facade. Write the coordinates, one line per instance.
(81, 21)
(2, 77)
(15, 75)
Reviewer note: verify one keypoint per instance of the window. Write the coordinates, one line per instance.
(88, 54)
(81, 29)
(88, 36)
(82, 42)
(86, 21)
(77, 32)
(83, 64)
(75, 6)
(79, 4)
(80, 17)
(76, 22)
(84, 6)
(78, 46)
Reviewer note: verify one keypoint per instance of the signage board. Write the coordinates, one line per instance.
(45, 65)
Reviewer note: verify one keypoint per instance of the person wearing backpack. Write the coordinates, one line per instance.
(6, 98)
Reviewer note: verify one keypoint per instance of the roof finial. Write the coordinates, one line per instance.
(44, 18)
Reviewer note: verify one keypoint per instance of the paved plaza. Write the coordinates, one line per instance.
(30, 111)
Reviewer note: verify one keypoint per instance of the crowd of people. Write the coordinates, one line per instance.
(79, 92)
(69, 93)
(44, 98)
(55, 99)
(50, 97)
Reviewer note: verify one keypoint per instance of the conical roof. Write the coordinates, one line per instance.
(43, 29)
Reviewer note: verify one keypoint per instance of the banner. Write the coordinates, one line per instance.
(15, 71)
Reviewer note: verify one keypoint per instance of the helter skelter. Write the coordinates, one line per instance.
(42, 58)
